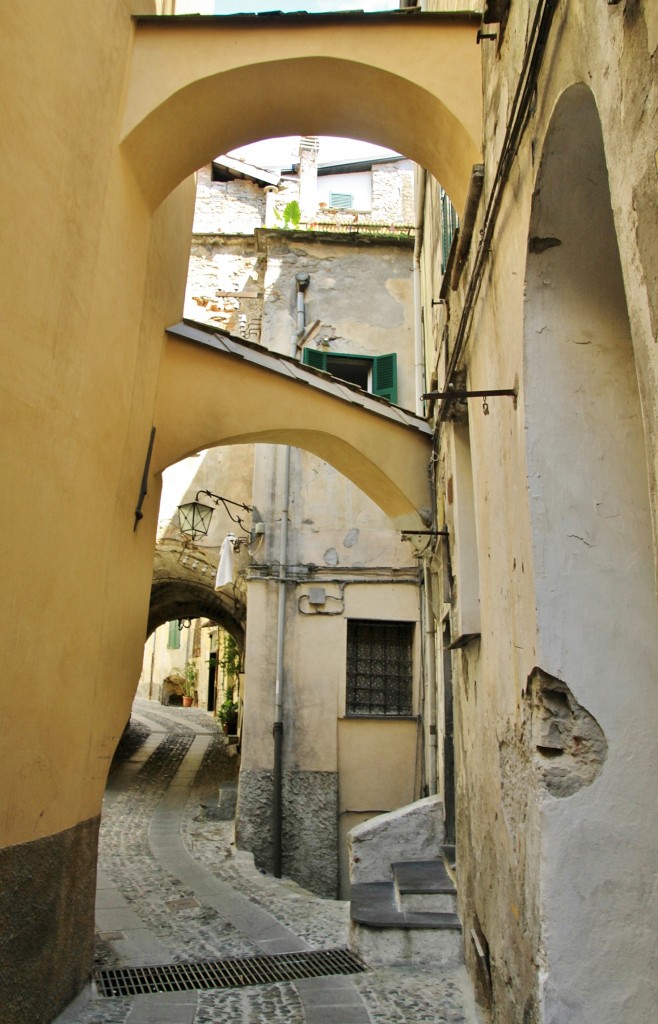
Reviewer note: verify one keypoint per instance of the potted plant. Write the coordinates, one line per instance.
(227, 712)
(191, 677)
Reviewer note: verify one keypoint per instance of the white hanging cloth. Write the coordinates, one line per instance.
(225, 569)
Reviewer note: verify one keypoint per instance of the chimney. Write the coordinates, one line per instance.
(308, 176)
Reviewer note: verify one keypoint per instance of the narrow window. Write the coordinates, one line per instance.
(449, 224)
(355, 371)
(173, 640)
(379, 668)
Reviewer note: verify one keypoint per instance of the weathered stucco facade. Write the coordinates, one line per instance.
(357, 299)
(555, 701)
(359, 293)
(555, 697)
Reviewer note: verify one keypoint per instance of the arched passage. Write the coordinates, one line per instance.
(218, 391)
(174, 597)
(203, 84)
(594, 715)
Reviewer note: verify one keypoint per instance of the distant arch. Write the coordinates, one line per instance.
(175, 597)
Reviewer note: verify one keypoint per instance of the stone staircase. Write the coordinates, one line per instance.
(403, 908)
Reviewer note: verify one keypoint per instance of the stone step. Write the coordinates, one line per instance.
(381, 947)
(424, 902)
(424, 886)
(383, 932)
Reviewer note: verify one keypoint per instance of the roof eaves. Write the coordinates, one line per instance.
(246, 170)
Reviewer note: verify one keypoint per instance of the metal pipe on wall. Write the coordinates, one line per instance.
(419, 355)
(430, 668)
(302, 281)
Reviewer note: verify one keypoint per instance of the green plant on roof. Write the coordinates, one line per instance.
(291, 215)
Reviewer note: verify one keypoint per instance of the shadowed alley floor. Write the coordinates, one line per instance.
(173, 888)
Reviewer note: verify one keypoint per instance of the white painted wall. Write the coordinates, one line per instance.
(596, 610)
(356, 183)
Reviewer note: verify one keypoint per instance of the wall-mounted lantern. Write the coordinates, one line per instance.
(194, 516)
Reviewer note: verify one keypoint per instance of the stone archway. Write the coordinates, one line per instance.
(176, 598)
(242, 396)
(199, 83)
(592, 552)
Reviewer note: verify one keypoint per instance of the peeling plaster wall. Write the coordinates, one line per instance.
(592, 556)
(555, 704)
(224, 283)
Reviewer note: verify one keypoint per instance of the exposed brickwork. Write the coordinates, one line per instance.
(227, 206)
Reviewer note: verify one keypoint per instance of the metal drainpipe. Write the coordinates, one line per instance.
(418, 327)
(302, 282)
(522, 106)
(430, 636)
(155, 640)
(430, 657)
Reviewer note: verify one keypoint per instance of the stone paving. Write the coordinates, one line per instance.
(173, 887)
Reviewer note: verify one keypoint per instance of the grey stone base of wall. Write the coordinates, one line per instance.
(47, 892)
(310, 826)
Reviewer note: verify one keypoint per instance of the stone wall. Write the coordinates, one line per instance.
(309, 829)
(227, 206)
(392, 200)
(224, 284)
(52, 945)
(393, 193)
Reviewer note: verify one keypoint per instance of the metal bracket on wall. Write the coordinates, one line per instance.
(424, 533)
(455, 393)
(462, 641)
(143, 490)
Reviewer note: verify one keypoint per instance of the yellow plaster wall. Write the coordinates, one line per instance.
(92, 281)
(377, 766)
(79, 360)
(376, 761)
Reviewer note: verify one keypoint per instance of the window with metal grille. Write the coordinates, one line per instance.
(379, 668)
(341, 201)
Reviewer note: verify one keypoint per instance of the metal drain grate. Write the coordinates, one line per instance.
(234, 972)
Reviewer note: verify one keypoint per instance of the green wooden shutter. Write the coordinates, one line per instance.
(449, 224)
(313, 357)
(385, 377)
(173, 640)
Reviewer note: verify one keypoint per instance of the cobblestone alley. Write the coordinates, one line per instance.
(173, 888)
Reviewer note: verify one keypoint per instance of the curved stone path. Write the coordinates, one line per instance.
(172, 886)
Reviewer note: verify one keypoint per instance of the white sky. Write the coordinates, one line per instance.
(310, 6)
(278, 153)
